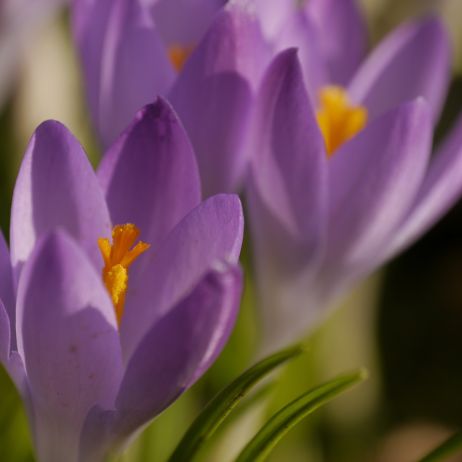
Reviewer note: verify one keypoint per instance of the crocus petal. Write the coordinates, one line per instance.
(287, 198)
(5, 335)
(213, 98)
(211, 232)
(150, 175)
(413, 61)
(182, 22)
(180, 347)
(56, 187)
(67, 335)
(289, 161)
(373, 180)
(440, 190)
(6, 281)
(300, 32)
(272, 15)
(341, 32)
(124, 61)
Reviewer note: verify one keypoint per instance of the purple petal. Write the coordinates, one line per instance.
(180, 347)
(272, 14)
(124, 61)
(413, 61)
(287, 199)
(211, 232)
(56, 187)
(289, 162)
(150, 175)
(299, 32)
(184, 22)
(341, 32)
(67, 335)
(5, 335)
(373, 181)
(6, 283)
(213, 98)
(440, 190)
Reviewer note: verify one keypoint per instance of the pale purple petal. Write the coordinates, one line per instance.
(289, 160)
(67, 335)
(212, 96)
(299, 32)
(271, 14)
(180, 347)
(56, 187)
(125, 63)
(440, 190)
(287, 199)
(183, 22)
(373, 180)
(150, 175)
(342, 34)
(412, 61)
(211, 232)
(5, 334)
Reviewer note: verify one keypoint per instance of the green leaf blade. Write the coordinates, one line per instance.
(290, 415)
(225, 401)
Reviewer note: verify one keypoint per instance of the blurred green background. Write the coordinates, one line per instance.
(404, 324)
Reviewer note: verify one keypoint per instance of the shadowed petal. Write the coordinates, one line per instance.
(150, 175)
(56, 187)
(179, 347)
(440, 190)
(341, 33)
(373, 181)
(211, 232)
(413, 61)
(67, 335)
(213, 98)
(124, 61)
(6, 283)
(184, 22)
(5, 335)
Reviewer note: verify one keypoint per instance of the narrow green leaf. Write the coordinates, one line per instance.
(449, 447)
(290, 415)
(223, 403)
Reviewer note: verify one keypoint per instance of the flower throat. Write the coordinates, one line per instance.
(118, 257)
(338, 119)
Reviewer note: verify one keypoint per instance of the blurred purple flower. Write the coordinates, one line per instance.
(320, 219)
(124, 47)
(90, 378)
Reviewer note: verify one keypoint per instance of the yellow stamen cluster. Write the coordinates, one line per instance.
(338, 119)
(118, 257)
(178, 55)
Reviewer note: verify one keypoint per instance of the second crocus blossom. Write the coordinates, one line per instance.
(122, 287)
(124, 47)
(320, 221)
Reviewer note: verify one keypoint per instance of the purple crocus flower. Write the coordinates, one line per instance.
(124, 47)
(331, 37)
(323, 218)
(214, 92)
(101, 333)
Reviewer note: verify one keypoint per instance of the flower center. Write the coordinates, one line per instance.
(178, 54)
(118, 257)
(338, 119)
